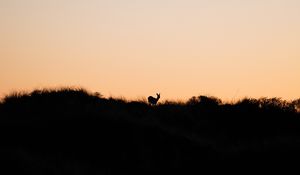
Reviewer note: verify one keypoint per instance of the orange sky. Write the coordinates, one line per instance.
(135, 48)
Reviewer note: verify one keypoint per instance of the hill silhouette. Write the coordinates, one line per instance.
(72, 131)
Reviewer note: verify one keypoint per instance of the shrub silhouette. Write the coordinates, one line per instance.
(204, 101)
(72, 131)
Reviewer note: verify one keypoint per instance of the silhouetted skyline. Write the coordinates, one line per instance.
(73, 131)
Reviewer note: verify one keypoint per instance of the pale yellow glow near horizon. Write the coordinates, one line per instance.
(180, 48)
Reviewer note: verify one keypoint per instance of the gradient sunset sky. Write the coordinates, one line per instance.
(134, 48)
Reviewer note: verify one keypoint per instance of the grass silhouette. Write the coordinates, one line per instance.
(73, 131)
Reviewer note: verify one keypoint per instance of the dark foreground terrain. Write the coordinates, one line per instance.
(71, 131)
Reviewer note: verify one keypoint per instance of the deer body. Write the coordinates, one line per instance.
(152, 100)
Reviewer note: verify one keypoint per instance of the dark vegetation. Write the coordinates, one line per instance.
(71, 131)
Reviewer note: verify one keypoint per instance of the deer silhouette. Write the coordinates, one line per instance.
(153, 100)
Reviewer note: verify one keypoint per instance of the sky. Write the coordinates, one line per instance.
(181, 48)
